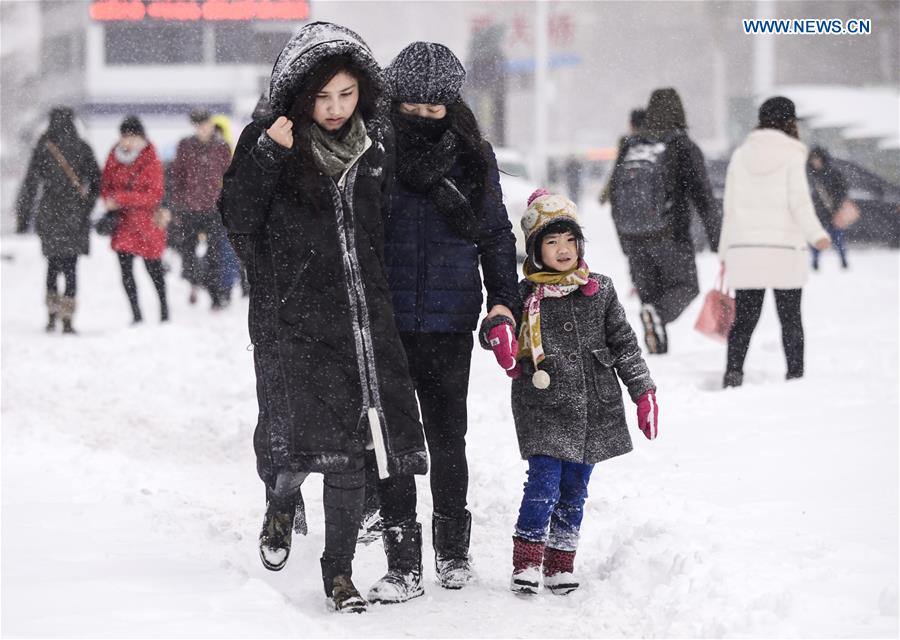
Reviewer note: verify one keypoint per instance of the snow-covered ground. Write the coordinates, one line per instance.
(131, 506)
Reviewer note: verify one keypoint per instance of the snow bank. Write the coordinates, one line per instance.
(130, 504)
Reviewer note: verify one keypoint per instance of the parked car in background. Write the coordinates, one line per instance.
(517, 187)
(878, 201)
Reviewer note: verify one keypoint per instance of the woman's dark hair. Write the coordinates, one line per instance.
(302, 108)
(463, 122)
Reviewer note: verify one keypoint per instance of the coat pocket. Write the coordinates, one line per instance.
(291, 304)
(524, 391)
(605, 379)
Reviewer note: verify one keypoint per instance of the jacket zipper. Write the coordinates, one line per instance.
(359, 310)
(420, 268)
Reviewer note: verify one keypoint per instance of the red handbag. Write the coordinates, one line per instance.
(717, 314)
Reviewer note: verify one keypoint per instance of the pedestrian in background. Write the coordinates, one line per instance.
(659, 180)
(65, 173)
(200, 162)
(829, 190)
(769, 220)
(132, 186)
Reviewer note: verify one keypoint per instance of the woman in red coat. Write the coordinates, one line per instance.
(133, 184)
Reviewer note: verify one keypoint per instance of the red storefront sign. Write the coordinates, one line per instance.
(188, 10)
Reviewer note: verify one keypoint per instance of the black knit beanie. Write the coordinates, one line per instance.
(425, 73)
(131, 125)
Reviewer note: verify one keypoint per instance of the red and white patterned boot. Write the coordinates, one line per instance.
(526, 565)
(559, 571)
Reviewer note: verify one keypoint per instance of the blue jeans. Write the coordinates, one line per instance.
(837, 240)
(555, 492)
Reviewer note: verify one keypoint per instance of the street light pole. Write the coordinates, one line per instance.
(764, 53)
(541, 96)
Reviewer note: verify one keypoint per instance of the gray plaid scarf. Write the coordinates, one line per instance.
(334, 154)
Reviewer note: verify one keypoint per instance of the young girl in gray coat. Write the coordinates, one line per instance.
(566, 400)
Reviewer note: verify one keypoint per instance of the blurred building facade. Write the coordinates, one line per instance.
(604, 60)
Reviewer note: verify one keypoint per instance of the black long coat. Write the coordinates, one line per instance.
(63, 214)
(331, 371)
(587, 341)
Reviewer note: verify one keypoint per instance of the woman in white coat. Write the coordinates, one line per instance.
(767, 225)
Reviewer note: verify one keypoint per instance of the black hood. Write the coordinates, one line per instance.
(309, 46)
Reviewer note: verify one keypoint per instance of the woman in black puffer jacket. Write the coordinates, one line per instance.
(303, 202)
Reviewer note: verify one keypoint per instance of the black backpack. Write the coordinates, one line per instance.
(638, 189)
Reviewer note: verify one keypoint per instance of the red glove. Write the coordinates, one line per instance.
(505, 346)
(648, 415)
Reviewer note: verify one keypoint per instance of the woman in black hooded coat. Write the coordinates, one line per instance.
(64, 171)
(303, 202)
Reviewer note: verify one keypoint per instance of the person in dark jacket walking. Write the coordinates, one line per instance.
(566, 400)
(829, 190)
(200, 162)
(304, 202)
(132, 184)
(447, 216)
(661, 257)
(63, 169)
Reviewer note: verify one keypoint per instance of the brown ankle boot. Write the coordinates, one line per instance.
(344, 596)
(52, 301)
(66, 311)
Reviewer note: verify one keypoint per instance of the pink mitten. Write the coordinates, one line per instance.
(648, 415)
(505, 346)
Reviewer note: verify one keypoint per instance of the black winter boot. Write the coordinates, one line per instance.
(451, 550)
(732, 379)
(403, 581)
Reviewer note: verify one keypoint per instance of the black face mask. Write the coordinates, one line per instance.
(429, 128)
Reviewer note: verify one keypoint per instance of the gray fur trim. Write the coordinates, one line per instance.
(313, 43)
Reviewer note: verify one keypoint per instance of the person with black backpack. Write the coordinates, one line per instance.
(659, 176)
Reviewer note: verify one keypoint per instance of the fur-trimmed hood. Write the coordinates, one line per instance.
(306, 49)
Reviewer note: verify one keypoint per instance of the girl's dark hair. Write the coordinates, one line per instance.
(302, 108)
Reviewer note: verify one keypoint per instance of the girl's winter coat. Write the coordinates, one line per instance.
(138, 189)
(329, 362)
(587, 341)
(768, 214)
(63, 220)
